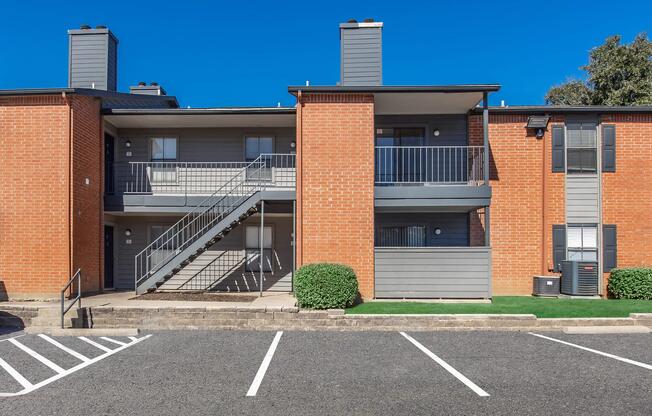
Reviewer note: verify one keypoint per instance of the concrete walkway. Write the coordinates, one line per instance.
(126, 300)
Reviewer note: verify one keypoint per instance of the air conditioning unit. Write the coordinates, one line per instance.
(579, 278)
(546, 286)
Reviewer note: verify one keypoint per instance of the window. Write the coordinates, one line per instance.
(164, 148)
(582, 143)
(401, 236)
(582, 242)
(257, 145)
(252, 248)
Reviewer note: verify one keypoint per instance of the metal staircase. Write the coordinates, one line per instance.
(211, 220)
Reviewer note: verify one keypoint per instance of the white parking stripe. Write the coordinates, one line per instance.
(115, 341)
(64, 348)
(132, 338)
(38, 356)
(95, 344)
(15, 374)
(253, 389)
(447, 367)
(605, 354)
(29, 387)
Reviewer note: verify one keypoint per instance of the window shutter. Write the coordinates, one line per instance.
(609, 148)
(558, 246)
(558, 149)
(609, 247)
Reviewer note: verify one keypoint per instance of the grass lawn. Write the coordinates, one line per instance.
(541, 307)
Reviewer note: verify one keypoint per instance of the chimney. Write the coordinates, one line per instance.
(92, 58)
(152, 89)
(361, 53)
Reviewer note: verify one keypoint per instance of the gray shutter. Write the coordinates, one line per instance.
(558, 246)
(609, 148)
(558, 149)
(609, 247)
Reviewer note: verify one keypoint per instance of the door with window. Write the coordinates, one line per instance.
(252, 248)
(256, 146)
(109, 160)
(397, 158)
(108, 257)
(164, 167)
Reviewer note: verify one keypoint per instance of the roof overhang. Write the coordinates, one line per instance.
(201, 118)
(426, 99)
(559, 109)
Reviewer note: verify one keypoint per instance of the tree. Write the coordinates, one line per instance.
(617, 74)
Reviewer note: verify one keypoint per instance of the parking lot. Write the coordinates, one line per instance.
(325, 373)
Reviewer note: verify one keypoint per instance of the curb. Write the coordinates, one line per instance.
(82, 332)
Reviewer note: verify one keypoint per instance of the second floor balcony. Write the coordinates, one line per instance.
(429, 165)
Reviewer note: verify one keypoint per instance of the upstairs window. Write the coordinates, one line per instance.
(257, 145)
(582, 143)
(582, 242)
(164, 149)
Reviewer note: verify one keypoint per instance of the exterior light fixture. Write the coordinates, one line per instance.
(128, 232)
(293, 144)
(437, 231)
(436, 132)
(128, 143)
(539, 124)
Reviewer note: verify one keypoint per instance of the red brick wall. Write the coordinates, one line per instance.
(527, 200)
(48, 223)
(335, 184)
(87, 213)
(627, 193)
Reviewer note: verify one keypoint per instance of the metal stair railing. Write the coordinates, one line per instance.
(212, 273)
(76, 299)
(253, 178)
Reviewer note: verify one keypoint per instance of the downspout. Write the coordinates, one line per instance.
(544, 270)
(68, 102)
(298, 248)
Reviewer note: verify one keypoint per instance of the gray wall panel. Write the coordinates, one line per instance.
(441, 272)
(361, 56)
(454, 226)
(92, 59)
(582, 199)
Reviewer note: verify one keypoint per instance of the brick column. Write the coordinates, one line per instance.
(335, 183)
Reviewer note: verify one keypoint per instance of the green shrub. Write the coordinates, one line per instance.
(633, 283)
(325, 286)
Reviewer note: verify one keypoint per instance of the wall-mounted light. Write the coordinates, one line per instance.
(436, 132)
(128, 143)
(128, 232)
(539, 124)
(437, 231)
(293, 144)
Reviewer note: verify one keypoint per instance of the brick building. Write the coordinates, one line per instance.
(426, 191)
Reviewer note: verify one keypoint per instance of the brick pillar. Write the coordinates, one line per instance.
(335, 183)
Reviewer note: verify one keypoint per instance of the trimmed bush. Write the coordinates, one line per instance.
(633, 283)
(325, 286)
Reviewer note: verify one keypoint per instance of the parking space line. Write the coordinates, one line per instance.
(446, 366)
(115, 341)
(132, 338)
(253, 389)
(605, 354)
(29, 387)
(74, 353)
(95, 344)
(15, 374)
(38, 356)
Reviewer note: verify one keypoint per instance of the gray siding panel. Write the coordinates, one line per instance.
(93, 60)
(582, 199)
(433, 272)
(361, 56)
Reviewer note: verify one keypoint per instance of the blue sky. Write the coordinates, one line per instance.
(247, 52)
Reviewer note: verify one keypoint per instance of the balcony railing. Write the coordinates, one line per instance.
(422, 165)
(197, 178)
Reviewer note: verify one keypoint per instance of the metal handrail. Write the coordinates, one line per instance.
(255, 176)
(65, 309)
(440, 165)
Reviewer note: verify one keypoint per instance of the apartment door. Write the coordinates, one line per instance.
(108, 257)
(109, 159)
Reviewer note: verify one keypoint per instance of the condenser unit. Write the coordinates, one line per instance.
(579, 278)
(546, 286)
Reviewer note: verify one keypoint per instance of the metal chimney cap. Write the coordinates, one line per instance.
(369, 20)
(100, 27)
(85, 27)
(142, 83)
(154, 84)
(351, 21)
